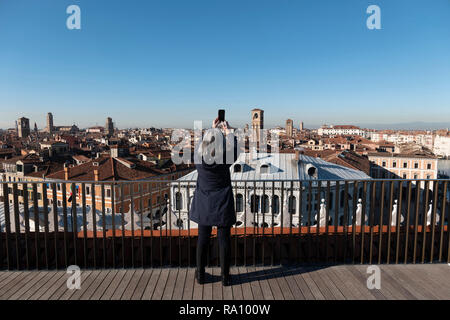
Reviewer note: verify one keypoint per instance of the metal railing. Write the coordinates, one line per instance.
(123, 224)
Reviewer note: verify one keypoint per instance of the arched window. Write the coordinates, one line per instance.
(237, 168)
(264, 168)
(265, 204)
(254, 203)
(178, 201)
(275, 205)
(239, 203)
(291, 205)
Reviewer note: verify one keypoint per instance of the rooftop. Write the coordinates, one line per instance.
(286, 168)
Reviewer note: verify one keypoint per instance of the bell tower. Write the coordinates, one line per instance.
(257, 124)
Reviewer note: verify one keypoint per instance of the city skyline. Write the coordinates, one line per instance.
(418, 125)
(314, 62)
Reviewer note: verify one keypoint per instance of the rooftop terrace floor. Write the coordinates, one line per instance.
(340, 282)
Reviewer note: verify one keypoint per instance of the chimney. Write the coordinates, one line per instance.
(96, 175)
(297, 154)
(66, 173)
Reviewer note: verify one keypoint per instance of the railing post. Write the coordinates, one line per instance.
(408, 209)
(433, 220)
(442, 220)
(424, 220)
(74, 222)
(46, 222)
(7, 224)
(85, 231)
(36, 225)
(141, 205)
(380, 224)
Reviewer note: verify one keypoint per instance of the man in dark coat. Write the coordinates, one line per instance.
(213, 203)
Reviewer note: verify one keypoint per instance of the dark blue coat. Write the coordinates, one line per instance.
(213, 203)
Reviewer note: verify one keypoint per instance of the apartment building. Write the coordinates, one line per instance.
(403, 166)
(441, 146)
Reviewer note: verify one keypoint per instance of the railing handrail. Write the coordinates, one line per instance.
(359, 219)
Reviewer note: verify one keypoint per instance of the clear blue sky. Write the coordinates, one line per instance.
(167, 63)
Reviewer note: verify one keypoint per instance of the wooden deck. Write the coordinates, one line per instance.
(262, 283)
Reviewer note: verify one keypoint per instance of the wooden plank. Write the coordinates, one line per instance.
(95, 284)
(107, 281)
(108, 293)
(399, 292)
(296, 273)
(438, 289)
(5, 275)
(64, 293)
(117, 295)
(236, 285)
(170, 284)
(11, 276)
(198, 290)
(313, 287)
(424, 284)
(352, 282)
(16, 284)
(207, 287)
(188, 289)
(140, 288)
(161, 284)
(50, 277)
(282, 283)
(327, 278)
(50, 287)
(84, 286)
(347, 292)
(401, 281)
(252, 277)
(289, 276)
(179, 284)
(314, 274)
(245, 283)
(363, 282)
(27, 286)
(12, 283)
(151, 285)
(265, 287)
(134, 281)
(386, 289)
(217, 293)
(436, 273)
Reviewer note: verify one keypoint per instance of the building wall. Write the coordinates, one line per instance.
(441, 146)
(181, 211)
(416, 168)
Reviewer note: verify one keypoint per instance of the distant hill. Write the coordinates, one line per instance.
(418, 125)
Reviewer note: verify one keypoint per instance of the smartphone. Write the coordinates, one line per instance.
(221, 115)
